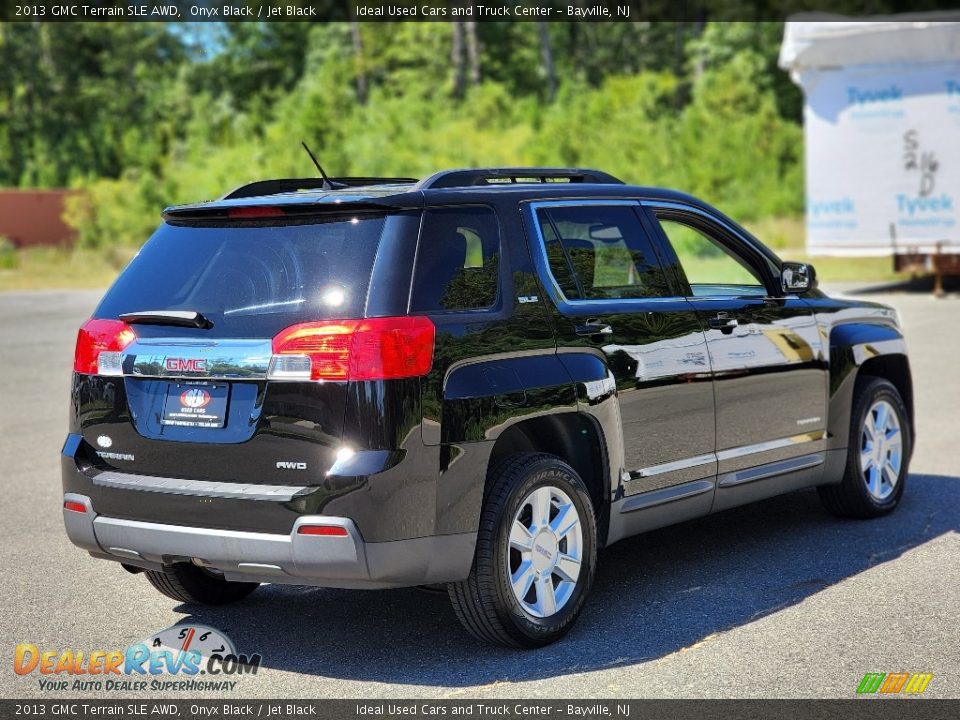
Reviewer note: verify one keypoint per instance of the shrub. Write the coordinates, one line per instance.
(9, 259)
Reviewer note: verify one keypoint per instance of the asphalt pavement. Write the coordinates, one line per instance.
(778, 599)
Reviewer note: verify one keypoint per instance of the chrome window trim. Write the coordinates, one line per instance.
(673, 205)
(714, 298)
(542, 263)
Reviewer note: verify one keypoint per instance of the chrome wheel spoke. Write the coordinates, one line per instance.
(873, 480)
(882, 415)
(889, 473)
(546, 600)
(568, 567)
(866, 458)
(894, 458)
(565, 521)
(520, 537)
(540, 506)
(522, 579)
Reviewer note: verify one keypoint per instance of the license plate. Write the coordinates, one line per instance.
(195, 405)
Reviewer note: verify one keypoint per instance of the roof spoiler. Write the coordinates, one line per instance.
(290, 185)
(216, 214)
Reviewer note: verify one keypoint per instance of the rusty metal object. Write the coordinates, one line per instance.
(941, 262)
(35, 217)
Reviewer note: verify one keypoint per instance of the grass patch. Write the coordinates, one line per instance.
(842, 269)
(47, 268)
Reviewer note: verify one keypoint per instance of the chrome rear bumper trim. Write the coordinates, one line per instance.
(188, 358)
(200, 488)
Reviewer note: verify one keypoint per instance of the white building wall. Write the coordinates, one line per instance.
(882, 138)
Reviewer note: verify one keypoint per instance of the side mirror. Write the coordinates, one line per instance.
(796, 278)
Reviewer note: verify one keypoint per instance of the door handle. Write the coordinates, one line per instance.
(594, 327)
(723, 322)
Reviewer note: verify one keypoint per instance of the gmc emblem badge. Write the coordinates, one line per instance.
(192, 365)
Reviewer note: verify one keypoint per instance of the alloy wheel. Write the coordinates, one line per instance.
(881, 449)
(545, 551)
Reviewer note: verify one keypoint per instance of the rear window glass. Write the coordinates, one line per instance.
(457, 260)
(252, 281)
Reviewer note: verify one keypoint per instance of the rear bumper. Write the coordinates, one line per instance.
(328, 561)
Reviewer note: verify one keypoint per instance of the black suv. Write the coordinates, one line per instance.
(478, 379)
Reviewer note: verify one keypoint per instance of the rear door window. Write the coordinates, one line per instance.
(252, 281)
(601, 252)
(458, 260)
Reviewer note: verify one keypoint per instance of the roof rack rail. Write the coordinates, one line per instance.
(497, 176)
(288, 185)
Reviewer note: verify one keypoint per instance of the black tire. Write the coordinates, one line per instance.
(485, 602)
(191, 584)
(851, 498)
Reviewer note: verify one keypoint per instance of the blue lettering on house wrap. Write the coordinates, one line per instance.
(916, 205)
(862, 96)
(838, 206)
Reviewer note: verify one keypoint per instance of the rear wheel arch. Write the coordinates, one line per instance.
(577, 439)
(492, 603)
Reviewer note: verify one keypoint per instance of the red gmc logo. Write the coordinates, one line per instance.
(186, 365)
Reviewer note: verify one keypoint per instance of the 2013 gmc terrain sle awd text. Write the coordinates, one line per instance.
(478, 379)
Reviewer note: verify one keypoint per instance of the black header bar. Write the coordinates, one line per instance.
(449, 11)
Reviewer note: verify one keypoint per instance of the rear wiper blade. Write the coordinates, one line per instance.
(182, 318)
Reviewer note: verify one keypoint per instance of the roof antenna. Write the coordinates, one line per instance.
(326, 180)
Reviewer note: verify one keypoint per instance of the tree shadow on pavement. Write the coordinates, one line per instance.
(653, 595)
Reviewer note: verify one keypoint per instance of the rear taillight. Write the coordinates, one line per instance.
(97, 337)
(74, 506)
(370, 349)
